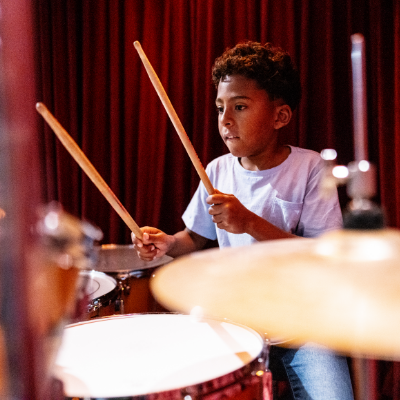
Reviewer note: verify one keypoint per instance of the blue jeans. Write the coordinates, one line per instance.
(314, 373)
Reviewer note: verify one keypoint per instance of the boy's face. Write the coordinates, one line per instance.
(246, 117)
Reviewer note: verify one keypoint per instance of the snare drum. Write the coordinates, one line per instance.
(163, 356)
(100, 293)
(132, 276)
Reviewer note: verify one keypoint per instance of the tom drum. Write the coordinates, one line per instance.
(132, 276)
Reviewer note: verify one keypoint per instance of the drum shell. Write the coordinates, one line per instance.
(134, 292)
(253, 381)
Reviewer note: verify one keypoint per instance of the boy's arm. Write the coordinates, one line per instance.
(157, 243)
(186, 241)
(261, 229)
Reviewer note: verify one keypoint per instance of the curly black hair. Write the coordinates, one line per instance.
(270, 66)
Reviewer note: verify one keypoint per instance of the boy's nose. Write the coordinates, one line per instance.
(226, 119)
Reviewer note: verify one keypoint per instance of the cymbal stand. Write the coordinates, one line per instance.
(361, 212)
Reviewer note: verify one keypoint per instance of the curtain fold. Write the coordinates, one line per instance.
(91, 77)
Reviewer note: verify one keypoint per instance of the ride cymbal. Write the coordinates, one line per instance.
(341, 290)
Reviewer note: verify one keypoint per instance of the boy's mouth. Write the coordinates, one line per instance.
(231, 137)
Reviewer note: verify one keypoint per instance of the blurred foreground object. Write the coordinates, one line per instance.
(65, 246)
(23, 367)
(37, 269)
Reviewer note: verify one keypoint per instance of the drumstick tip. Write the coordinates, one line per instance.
(136, 44)
(40, 106)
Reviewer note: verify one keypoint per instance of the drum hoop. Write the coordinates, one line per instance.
(108, 297)
(135, 273)
(101, 264)
(248, 374)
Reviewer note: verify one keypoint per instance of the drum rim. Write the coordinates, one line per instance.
(108, 248)
(111, 246)
(122, 275)
(107, 297)
(204, 317)
(247, 374)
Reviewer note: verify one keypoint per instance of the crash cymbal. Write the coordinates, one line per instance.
(341, 290)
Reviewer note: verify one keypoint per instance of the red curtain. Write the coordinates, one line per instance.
(92, 79)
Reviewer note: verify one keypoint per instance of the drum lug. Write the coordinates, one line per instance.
(119, 306)
(94, 307)
(123, 285)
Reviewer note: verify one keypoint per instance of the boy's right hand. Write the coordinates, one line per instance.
(155, 243)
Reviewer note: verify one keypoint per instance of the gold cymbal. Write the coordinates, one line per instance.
(341, 290)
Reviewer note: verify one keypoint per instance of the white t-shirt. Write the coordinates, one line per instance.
(287, 196)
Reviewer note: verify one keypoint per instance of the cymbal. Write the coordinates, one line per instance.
(341, 290)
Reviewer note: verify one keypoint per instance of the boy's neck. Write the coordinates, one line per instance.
(267, 160)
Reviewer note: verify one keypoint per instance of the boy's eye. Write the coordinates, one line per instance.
(240, 107)
(220, 110)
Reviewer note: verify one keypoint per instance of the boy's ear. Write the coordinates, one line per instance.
(283, 115)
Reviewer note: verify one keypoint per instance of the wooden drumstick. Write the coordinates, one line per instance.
(88, 168)
(175, 119)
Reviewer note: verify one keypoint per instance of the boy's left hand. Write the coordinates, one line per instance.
(228, 212)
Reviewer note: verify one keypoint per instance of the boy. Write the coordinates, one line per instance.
(274, 193)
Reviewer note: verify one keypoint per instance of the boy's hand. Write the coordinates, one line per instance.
(228, 212)
(155, 243)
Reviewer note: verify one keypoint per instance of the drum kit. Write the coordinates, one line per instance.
(200, 326)
(340, 290)
(225, 307)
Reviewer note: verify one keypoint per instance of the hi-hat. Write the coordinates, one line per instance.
(341, 290)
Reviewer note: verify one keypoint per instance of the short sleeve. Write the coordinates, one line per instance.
(196, 216)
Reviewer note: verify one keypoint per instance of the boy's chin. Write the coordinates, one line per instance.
(234, 150)
(237, 153)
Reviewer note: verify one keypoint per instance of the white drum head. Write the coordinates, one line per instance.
(97, 283)
(149, 353)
